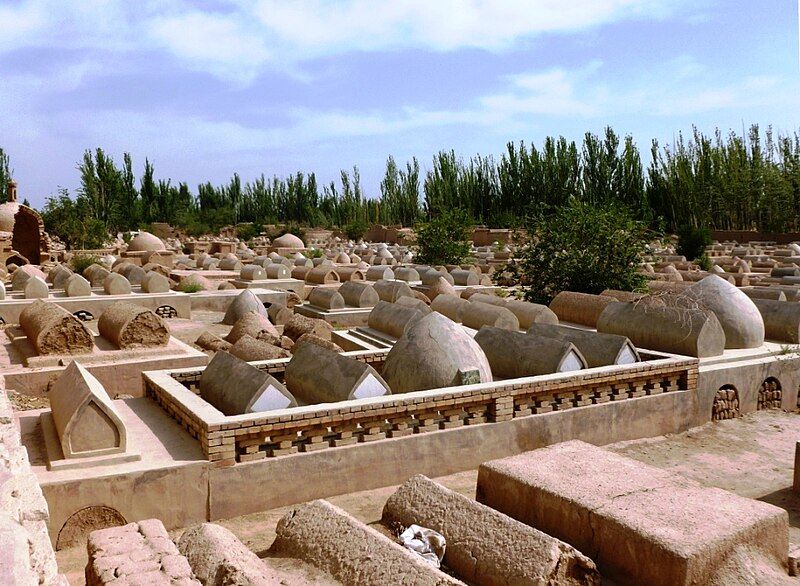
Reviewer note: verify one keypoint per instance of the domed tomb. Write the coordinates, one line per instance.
(288, 240)
(737, 314)
(435, 352)
(144, 242)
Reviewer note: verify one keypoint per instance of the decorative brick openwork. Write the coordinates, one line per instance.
(242, 438)
(770, 394)
(726, 404)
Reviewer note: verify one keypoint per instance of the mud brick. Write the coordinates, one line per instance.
(345, 441)
(654, 389)
(252, 457)
(543, 409)
(369, 437)
(400, 432)
(426, 428)
(313, 447)
(475, 420)
(283, 451)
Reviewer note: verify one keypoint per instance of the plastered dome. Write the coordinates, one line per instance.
(736, 312)
(144, 241)
(431, 354)
(288, 241)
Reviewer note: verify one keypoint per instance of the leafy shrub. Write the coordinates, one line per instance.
(583, 248)
(444, 239)
(313, 253)
(80, 262)
(703, 262)
(190, 287)
(247, 232)
(292, 228)
(692, 241)
(356, 229)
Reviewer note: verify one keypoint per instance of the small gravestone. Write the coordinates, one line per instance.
(59, 275)
(230, 264)
(36, 288)
(278, 271)
(251, 324)
(135, 274)
(97, 275)
(244, 303)
(116, 284)
(359, 294)
(77, 286)
(252, 273)
(326, 298)
(155, 283)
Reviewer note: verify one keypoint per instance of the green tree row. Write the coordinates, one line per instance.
(722, 181)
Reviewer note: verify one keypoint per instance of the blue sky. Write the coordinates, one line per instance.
(206, 89)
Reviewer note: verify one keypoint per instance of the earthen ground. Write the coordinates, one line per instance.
(752, 456)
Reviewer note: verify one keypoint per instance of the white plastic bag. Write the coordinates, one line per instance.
(424, 542)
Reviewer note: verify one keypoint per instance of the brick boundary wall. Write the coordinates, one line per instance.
(26, 554)
(248, 437)
(243, 438)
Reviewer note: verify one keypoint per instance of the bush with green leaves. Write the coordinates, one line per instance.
(582, 248)
(314, 253)
(80, 262)
(356, 229)
(246, 232)
(190, 287)
(445, 239)
(692, 241)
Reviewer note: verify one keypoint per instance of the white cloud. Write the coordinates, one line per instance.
(223, 45)
(319, 27)
(241, 38)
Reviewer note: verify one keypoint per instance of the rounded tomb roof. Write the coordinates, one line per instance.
(144, 241)
(288, 240)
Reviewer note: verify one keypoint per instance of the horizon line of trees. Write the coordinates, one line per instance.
(721, 181)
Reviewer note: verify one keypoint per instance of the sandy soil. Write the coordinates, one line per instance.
(752, 456)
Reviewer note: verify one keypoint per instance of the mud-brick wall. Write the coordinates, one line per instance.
(26, 555)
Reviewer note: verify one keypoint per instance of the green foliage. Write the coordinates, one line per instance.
(246, 232)
(314, 253)
(703, 262)
(190, 287)
(399, 201)
(292, 229)
(73, 221)
(721, 181)
(5, 175)
(444, 239)
(692, 241)
(80, 262)
(356, 229)
(582, 247)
